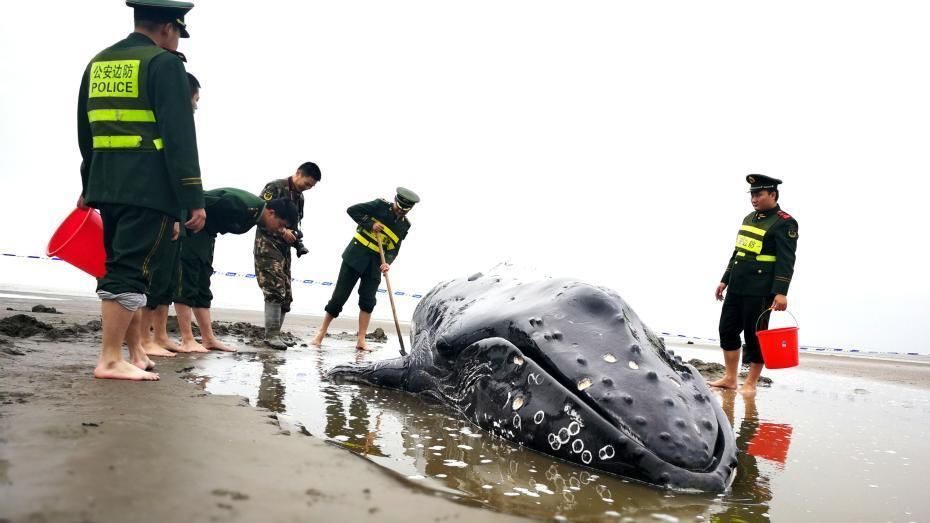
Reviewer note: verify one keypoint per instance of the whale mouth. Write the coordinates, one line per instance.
(652, 400)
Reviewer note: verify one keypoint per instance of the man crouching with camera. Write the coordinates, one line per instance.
(273, 251)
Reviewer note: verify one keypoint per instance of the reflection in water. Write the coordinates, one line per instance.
(752, 487)
(435, 447)
(271, 389)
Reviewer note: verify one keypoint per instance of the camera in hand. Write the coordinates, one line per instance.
(299, 244)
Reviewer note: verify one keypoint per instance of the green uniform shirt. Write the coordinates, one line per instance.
(266, 241)
(168, 180)
(762, 263)
(362, 253)
(231, 211)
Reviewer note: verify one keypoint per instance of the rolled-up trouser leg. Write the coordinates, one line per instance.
(753, 307)
(739, 315)
(367, 293)
(196, 271)
(344, 285)
(138, 245)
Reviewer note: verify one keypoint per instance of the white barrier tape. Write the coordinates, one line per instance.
(243, 275)
(417, 296)
(251, 276)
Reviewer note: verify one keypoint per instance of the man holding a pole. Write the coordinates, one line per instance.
(362, 259)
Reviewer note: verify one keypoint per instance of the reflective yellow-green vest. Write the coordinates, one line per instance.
(749, 240)
(389, 239)
(118, 108)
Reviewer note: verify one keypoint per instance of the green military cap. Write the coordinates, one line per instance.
(405, 198)
(758, 182)
(163, 10)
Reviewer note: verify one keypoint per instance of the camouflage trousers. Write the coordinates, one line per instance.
(274, 279)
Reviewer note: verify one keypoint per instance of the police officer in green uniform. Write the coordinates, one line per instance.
(273, 250)
(229, 211)
(756, 279)
(361, 259)
(140, 168)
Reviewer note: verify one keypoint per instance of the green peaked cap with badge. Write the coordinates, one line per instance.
(759, 182)
(163, 11)
(405, 198)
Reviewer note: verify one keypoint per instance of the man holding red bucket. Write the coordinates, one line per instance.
(756, 279)
(140, 166)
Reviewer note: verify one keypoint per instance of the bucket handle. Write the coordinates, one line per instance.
(770, 309)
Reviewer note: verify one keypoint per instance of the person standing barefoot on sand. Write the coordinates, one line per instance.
(361, 259)
(758, 275)
(140, 168)
(230, 211)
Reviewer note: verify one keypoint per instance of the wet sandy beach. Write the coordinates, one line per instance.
(261, 436)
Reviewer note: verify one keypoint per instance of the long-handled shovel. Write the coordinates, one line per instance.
(400, 338)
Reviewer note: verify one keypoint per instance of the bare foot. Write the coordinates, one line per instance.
(748, 389)
(123, 370)
(724, 383)
(215, 344)
(143, 362)
(191, 346)
(317, 341)
(166, 343)
(362, 346)
(152, 348)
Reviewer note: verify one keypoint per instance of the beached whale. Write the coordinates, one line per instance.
(567, 369)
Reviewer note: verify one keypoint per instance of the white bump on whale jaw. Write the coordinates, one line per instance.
(577, 446)
(633, 365)
(610, 358)
(517, 403)
(586, 457)
(574, 428)
(517, 360)
(584, 383)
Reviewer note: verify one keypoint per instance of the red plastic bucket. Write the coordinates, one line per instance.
(79, 241)
(779, 346)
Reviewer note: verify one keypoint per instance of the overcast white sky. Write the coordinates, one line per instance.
(606, 141)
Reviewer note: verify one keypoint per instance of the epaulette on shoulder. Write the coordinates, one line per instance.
(385, 201)
(783, 215)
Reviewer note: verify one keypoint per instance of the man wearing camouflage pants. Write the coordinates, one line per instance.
(273, 251)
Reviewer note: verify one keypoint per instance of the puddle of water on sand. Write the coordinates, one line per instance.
(810, 446)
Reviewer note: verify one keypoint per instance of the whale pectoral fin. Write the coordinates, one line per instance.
(388, 373)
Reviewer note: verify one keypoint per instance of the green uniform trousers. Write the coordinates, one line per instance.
(165, 278)
(196, 270)
(138, 245)
(348, 277)
(741, 313)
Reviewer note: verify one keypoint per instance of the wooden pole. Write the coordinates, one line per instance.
(400, 337)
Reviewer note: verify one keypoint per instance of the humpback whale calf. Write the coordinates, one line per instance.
(567, 369)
